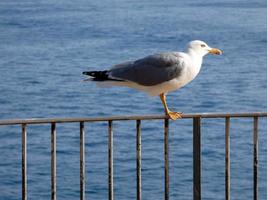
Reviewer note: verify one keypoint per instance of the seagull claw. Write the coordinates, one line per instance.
(174, 115)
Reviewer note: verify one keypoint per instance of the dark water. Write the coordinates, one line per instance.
(44, 47)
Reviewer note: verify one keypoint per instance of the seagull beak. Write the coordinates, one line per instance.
(215, 51)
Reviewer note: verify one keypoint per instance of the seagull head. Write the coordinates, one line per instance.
(201, 48)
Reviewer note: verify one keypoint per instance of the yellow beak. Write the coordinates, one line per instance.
(215, 51)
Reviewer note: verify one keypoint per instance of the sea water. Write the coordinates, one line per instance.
(46, 45)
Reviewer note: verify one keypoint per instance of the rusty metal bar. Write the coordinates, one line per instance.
(166, 157)
(255, 156)
(110, 161)
(122, 118)
(82, 162)
(138, 161)
(53, 162)
(227, 159)
(196, 158)
(24, 160)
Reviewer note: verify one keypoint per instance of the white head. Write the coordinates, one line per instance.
(201, 48)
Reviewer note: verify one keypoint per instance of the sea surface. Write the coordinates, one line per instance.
(46, 45)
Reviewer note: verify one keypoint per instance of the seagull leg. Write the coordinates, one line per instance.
(170, 114)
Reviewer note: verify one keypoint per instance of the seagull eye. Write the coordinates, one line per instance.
(203, 45)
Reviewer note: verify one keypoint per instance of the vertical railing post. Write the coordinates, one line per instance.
(196, 158)
(53, 162)
(166, 157)
(82, 162)
(138, 161)
(227, 159)
(24, 161)
(255, 158)
(110, 161)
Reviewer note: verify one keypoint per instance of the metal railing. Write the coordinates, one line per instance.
(196, 150)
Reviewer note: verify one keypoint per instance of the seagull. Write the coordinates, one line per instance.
(157, 74)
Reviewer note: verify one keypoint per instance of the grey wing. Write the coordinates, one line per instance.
(151, 70)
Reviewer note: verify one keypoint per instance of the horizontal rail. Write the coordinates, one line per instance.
(123, 118)
(196, 149)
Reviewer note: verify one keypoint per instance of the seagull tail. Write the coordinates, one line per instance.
(97, 75)
(100, 76)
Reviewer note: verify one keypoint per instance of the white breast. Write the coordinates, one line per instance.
(188, 74)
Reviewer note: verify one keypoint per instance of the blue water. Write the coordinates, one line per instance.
(44, 47)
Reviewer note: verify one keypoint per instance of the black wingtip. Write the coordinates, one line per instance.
(85, 73)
